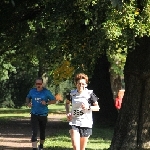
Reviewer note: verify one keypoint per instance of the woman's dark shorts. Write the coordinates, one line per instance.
(84, 131)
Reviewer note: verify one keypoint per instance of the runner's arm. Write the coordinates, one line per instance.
(51, 102)
(95, 105)
(67, 106)
(51, 98)
(28, 102)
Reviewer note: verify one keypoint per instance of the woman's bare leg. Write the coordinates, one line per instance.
(83, 142)
(75, 138)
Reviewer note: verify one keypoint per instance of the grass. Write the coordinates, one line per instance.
(60, 138)
(6, 113)
(100, 140)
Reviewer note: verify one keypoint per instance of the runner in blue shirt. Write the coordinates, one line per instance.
(38, 100)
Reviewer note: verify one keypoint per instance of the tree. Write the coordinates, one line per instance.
(46, 31)
(84, 42)
(100, 83)
(132, 126)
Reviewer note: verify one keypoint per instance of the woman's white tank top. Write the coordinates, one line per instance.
(80, 117)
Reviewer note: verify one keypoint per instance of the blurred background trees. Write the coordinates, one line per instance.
(56, 39)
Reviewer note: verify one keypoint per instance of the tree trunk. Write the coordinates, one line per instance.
(116, 85)
(132, 130)
(100, 84)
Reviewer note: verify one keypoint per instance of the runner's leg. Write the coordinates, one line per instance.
(34, 125)
(75, 138)
(42, 126)
(84, 135)
(83, 142)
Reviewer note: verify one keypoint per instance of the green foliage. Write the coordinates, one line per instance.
(121, 28)
(37, 36)
(6, 64)
(7, 104)
(117, 60)
(117, 4)
(127, 24)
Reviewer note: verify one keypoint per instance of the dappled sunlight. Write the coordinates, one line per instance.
(96, 144)
(15, 132)
(20, 142)
(146, 145)
(98, 141)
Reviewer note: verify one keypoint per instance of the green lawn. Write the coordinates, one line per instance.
(25, 112)
(100, 140)
(60, 138)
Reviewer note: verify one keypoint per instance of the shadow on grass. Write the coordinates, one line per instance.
(55, 129)
(58, 148)
(50, 148)
(61, 148)
(97, 149)
(20, 128)
(11, 122)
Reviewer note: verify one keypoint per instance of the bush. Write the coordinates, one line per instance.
(8, 104)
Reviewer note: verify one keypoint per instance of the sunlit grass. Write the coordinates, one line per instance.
(60, 138)
(25, 111)
(98, 141)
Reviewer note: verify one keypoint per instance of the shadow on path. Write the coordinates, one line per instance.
(15, 134)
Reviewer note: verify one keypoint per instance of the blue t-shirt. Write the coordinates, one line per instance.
(36, 98)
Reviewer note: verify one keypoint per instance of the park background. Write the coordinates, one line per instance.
(107, 40)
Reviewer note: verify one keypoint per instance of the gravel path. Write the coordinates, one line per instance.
(16, 133)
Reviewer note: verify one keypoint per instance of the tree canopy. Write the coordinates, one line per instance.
(75, 29)
(36, 37)
(52, 36)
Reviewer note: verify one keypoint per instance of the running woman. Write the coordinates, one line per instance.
(83, 102)
(38, 100)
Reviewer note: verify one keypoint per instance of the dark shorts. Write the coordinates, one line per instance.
(84, 131)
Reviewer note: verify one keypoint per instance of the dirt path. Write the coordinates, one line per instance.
(16, 134)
